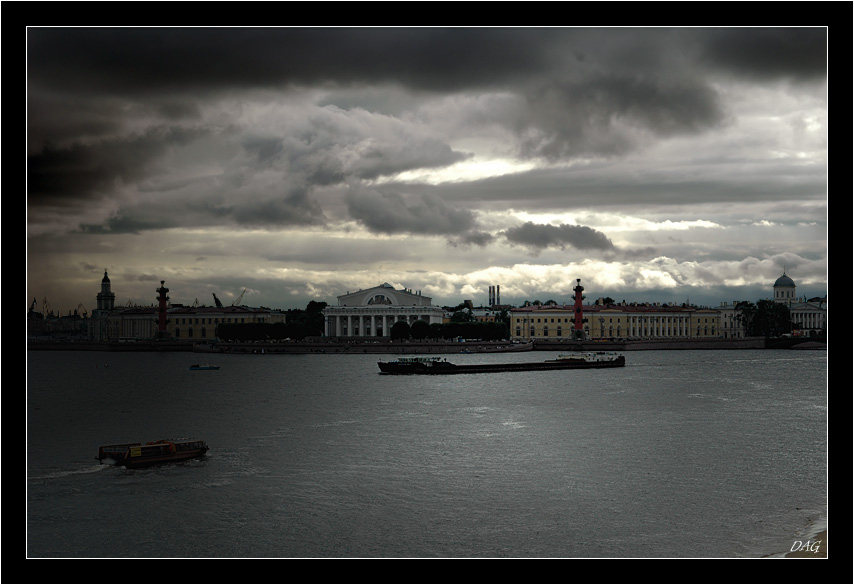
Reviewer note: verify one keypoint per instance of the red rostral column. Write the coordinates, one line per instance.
(579, 315)
(162, 300)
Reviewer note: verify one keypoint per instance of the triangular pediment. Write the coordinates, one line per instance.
(384, 294)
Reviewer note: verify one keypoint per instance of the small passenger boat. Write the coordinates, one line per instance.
(203, 367)
(436, 365)
(135, 455)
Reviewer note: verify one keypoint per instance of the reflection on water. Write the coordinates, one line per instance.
(679, 454)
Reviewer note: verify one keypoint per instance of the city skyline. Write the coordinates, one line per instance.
(588, 300)
(666, 165)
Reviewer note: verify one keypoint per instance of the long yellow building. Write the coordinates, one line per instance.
(187, 323)
(615, 322)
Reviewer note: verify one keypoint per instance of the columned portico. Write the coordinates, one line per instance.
(373, 312)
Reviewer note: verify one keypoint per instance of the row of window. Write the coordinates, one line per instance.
(378, 332)
(211, 320)
(619, 319)
(701, 331)
(378, 318)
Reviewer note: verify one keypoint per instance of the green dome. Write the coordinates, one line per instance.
(784, 281)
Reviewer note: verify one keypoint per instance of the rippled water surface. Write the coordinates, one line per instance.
(679, 454)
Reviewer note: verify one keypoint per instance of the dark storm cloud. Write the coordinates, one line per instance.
(165, 59)
(765, 53)
(329, 155)
(264, 148)
(601, 115)
(183, 59)
(585, 91)
(116, 113)
(472, 238)
(392, 213)
(124, 224)
(96, 169)
(397, 157)
(546, 236)
(296, 208)
(54, 119)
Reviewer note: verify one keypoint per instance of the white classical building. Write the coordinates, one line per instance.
(373, 312)
(809, 317)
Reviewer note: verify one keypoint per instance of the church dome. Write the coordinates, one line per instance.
(784, 281)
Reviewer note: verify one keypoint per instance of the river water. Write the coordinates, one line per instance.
(680, 454)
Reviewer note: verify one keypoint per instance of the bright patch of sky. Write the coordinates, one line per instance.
(469, 170)
(613, 222)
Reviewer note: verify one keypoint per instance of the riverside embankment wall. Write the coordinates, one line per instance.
(408, 347)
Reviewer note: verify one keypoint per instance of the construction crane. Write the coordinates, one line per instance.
(196, 303)
(33, 313)
(216, 300)
(236, 303)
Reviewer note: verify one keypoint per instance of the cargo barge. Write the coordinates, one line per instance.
(436, 365)
(135, 455)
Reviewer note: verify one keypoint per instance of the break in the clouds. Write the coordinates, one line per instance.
(297, 162)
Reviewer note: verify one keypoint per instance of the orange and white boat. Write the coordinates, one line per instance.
(134, 455)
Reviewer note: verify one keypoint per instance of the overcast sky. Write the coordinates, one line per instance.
(662, 165)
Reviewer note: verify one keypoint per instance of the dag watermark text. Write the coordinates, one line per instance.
(808, 546)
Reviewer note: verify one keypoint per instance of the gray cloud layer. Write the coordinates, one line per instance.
(110, 106)
(132, 130)
(545, 236)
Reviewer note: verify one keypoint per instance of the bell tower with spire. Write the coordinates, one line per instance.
(99, 329)
(106, 298)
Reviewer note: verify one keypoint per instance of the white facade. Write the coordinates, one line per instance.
(373, 312)
(807, 317)
(731, 325)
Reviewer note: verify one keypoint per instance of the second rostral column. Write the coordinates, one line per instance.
(578, 319)
(162, 333)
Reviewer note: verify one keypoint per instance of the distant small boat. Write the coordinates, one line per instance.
(134, 455)
(203, 367)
